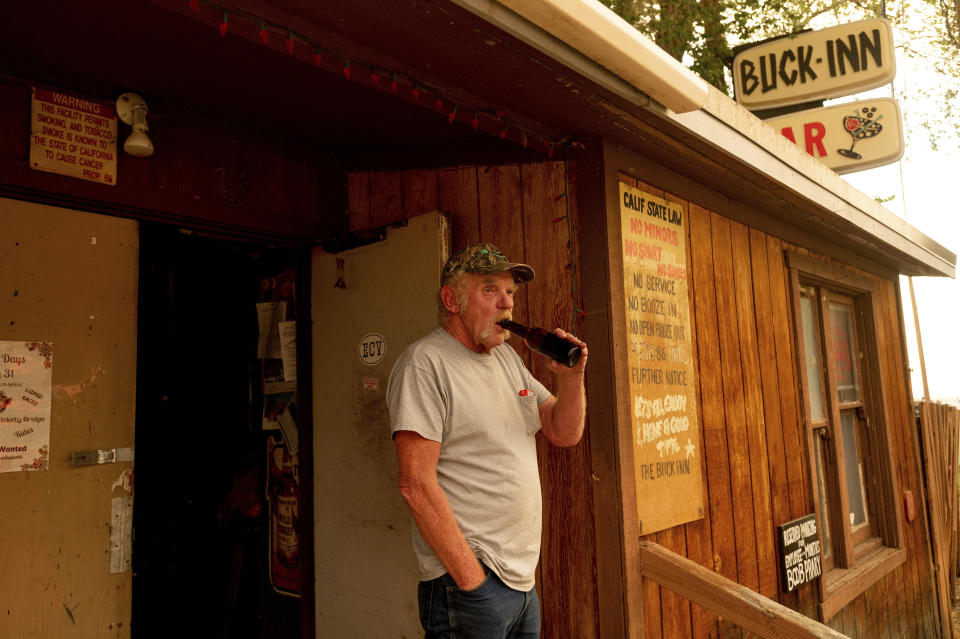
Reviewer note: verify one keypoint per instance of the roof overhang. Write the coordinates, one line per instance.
(732, 129)
(599, 34)
(557, 69)
(589, 38)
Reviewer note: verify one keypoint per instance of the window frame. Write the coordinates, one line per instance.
(859, 559)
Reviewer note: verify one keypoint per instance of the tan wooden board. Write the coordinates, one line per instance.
(699, 542)
(386, 198)
(358, 200)
(71, 279)
(457, 196)
(753, 411)
(419, 192)
(711, 393)
(514, 207)
(770, 390)
(565, 472)
(737, 442)
(660, 361)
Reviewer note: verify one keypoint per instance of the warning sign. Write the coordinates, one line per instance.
(73, 136)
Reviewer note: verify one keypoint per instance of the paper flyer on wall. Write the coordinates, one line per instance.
(288, 426)
(288, 349)
(26, 371)
(274, 405)
(269, 317)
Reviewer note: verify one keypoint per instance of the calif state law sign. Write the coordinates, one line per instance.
(815, 65)
(847, 137)
(663, 401)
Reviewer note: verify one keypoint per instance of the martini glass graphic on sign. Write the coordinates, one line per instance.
(860, 126)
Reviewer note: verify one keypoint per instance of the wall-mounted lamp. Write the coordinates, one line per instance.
(133, 111)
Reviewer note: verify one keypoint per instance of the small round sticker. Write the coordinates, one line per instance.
(372, 348)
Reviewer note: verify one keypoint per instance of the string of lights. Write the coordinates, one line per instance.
(404, 85)
(399, 83)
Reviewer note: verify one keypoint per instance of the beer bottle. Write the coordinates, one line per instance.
(544, 342)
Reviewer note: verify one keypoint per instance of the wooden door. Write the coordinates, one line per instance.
(368, 304)
(70, 279)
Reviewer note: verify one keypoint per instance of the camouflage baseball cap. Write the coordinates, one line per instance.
(484, 258)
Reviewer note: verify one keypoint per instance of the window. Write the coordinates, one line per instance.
(848, 442)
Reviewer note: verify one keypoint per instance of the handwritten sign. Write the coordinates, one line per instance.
(73, 136)
(799, 551)
(663, 401)
(25, 377)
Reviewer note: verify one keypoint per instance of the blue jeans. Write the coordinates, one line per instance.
(493, 610)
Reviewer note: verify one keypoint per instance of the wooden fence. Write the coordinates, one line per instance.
(940, 436)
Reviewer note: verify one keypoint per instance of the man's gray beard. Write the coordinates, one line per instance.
(489, 331)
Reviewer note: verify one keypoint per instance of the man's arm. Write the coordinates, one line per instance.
(431, 510)
(562, 417)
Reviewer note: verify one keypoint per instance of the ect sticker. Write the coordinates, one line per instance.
(372, 348)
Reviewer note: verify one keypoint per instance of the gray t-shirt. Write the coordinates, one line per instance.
(483, 409)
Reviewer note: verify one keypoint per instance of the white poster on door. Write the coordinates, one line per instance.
(26, 371)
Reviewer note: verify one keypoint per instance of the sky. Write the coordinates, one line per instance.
(920, 184)
(926, 202)
(917, 188)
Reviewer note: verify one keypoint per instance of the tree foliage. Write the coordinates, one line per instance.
(702, 34)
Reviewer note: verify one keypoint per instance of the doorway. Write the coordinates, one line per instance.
(206, 556)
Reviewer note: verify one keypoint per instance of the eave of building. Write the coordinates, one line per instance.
(733, 151)
(477, 53)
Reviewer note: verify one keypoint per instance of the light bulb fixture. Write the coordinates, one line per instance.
(133, 111)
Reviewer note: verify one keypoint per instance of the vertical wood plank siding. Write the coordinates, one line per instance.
(712, 416)
(754, 457)
(522, 210)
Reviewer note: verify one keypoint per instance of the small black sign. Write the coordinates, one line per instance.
(799, 551)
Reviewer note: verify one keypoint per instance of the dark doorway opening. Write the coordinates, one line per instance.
(202, 512)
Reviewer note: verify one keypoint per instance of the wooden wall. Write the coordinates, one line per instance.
(529, 212)
(755, 467)
(205, 173)
(71, 280)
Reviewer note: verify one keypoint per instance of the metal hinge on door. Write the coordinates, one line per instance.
(102, 456)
